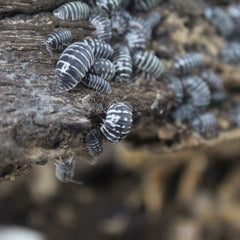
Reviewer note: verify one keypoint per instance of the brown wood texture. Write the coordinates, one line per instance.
(39, 123)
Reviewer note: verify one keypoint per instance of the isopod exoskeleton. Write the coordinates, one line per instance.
(197, 90)
(103, 68)
(94, 143)
(118, 122)
(73, 65)
(187, 63)
(73, 11)
(123, 63)
(57, 38)
(100, 48)
(149, 63)
(97, 83)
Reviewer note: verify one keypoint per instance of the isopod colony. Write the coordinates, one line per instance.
(117, 52)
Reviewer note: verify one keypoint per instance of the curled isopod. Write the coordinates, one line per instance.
(103, 68)
(100, 48)
(73, 11)
(73, 65)
(65, 170)
(57, 38)
(118, 122)
(149, 63)
(94, 143)
(187, 63)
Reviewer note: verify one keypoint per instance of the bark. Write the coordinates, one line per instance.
(39, 123)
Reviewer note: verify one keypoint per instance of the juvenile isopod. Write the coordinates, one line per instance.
(97, 83)
(100, 48)
(102, 23)
(103, 68)
(65, 171)
(196, 90)
(187, 63)
(73, 65)
(72, 11)
(94, 143)
(118, 122)
(123, 63)
(57, 38)
(149, 63)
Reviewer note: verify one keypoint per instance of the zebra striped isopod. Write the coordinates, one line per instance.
(73, 11)
(100, 48)
(149, 63)
(187, 63)
(231, 52)
(94, 143)
(118, 122)
(57, 38)
(119, 23)
(220, 20)
(212, 79)
(103, 68)
(123, 63)
(197, 90)
(108, 6)
(136, 39)
(102, 24)
(97, 83)
(184, 112)
(73, 64)
(205, 123)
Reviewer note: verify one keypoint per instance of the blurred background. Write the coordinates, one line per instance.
(131, 194)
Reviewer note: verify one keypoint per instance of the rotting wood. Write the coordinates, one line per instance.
(39, 123)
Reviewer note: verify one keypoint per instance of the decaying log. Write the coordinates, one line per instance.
(40, 123)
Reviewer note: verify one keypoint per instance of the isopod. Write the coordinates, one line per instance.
(102, 24)
(149, 63)
(97, 83)
(220, 20)
(65, 170)
(57, 38)
(187, 63)
(136, 39)
(231, 52)
(197, 90)
(73, 65)
(94, 143)
(184, 112)
(73, 11)
(118, 122)
(205, 123)
(212, 79)
(119, 22)
(108, 6)
(103, 68)
(177, 88)
(100, 48)
(145, 5)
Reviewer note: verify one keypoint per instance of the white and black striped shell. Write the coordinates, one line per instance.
(149, 63)
(73, 64)
(220, 20)
(103, 25)
(187, 63)
(205, 123)
(136, 39)
(231, 52)
(100, 48)
(103, 68)
(184, 112)
(212, 79)
(57, 38)
(119, 23)
(97, 83)
(118, 122)
(197, 90)
(108, 6)
(73, 11)
(123, 63)
(94, 143)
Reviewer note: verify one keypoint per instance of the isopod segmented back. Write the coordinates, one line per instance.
(72, 11)
(73, 65)
(94, 143)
